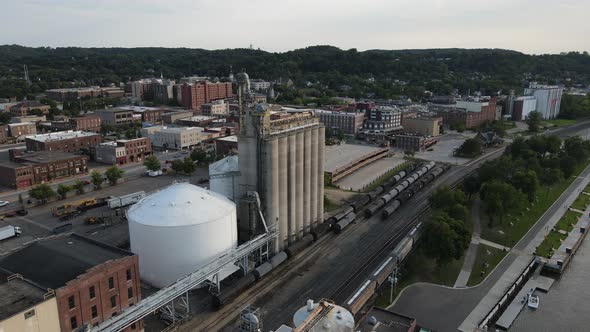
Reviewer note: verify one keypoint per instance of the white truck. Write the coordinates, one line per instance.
(7, 232)
(154, 173)
(122, 201)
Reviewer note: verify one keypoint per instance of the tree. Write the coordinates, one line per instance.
(199, 156)
(444, 198)
(63, 190)
(470, 148)
(576, 148)
(501, 198)
(340, 135)
(188, 166)
(177, 165)
(551, 176)
(42, 192)
(567, 165)
(113, 174)
(131, 133)
(152, 163)
(471, 185)
(527, 182)
(552, 144)
(79, 186)
(446, 238)
(533, 120)
(97, 179)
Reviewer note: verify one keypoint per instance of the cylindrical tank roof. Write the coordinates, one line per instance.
(337, 319)
(181, 204)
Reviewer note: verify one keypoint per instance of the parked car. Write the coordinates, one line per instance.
(4, 203)
(22, 212)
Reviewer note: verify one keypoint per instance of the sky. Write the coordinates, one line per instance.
(529, 26)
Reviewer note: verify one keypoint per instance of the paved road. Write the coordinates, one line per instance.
(444, 308)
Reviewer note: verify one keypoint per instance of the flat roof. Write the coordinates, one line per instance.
(60, 135)
(53, 262)
(46, 156)
(232, 138)
(337, 156)
(18, 295)
(140, 109)
(387, 321)
(200, 118)
(11, 164)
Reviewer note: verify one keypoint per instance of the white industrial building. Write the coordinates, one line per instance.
(259, 85)
(224, 177)
(178, 230)
(176, 138)
(548, 99)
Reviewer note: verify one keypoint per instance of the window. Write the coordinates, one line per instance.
(133, 326)
(129, 274)
(130, 292)
(73, 323)
(71, 302)
(111, 283)
(94, 311)
(92, 292)
(113, 301)
(29, 314)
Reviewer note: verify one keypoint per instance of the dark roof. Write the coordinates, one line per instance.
(12, 165)
(53, 262)
(17, 296)
(388, 321)
(29, 104)
(37, 157)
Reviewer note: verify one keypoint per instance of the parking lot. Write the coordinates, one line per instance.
(442, 151)
(39, 222)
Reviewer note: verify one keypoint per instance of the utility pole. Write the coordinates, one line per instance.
(393, 282)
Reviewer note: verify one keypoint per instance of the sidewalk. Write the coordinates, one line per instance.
(471, 252)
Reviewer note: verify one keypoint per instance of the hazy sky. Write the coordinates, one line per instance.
(530, 26)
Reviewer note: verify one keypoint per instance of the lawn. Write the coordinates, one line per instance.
(486, 260)
(330, 206)
(513, 227)
(581, 202)
(560, 122)
(567, 222)
(552, 241)
(421, 268)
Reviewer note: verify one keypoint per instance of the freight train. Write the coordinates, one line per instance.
(344, 218)
(380, 275)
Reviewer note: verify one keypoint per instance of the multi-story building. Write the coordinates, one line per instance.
(24, 306)
(471, 114)
(123, 151)
(202, 92)
(283, 160)
(117, 116)
(348, 122)
(147, 114)
(145, 88)
(66, 141)
(259, 85)
(24, 108)
(92, 281)
(4, 135)
(177, 138)
(173, 117)
(164, 91)
(383, 119)
(18, 131)
(197, 121)
(30, 168)
(216, 108)
(85, 123)
(84, 92)
(522, 106)
(427, 126)
(548, 99)
(414, 143)
(226, 145)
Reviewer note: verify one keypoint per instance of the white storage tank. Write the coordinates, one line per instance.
(332, 318)
(179, 229)
(224, 177)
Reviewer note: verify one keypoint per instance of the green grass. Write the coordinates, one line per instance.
(486, 260)
(523, 221)
(587, 189)
(567, 222)
(330, 206)
(552, 241)
(421, 268)
(560, 122)
(388, 175)
(581, 202)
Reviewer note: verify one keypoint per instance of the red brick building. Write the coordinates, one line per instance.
(123, 151)
(86, 123)
(67, 141)
(4, 134)
(471, 119)
(92, 281)
(195, 95)
(26, 169)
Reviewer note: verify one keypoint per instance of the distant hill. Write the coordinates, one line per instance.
(435, 69)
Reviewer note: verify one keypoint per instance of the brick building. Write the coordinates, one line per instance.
(383, 119)
(4, 134)
(92, 281)
(19, 130)
(86, 123)
(123, 151)
(226, 145)
(348, 122)
(216, 108)
(26, 169)
(414, 143)
(173, 117)
(202, 92)
(25, 108)
(117, 116)
(470, 114)
(67, 141)
(197, 121)
(84, 92)
(427, 126)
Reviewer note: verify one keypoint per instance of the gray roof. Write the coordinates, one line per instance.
(52, 263)
(17, 296)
